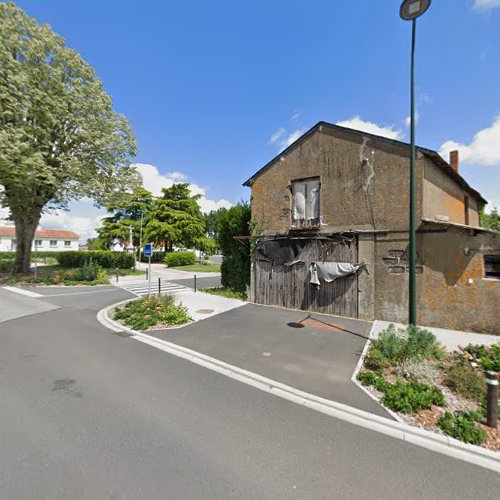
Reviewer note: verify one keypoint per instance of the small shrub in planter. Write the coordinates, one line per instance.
(375, 360)
(178, 259)
(467, 382)
(419, 370)
(412, 397)
(413, 343)
(373, 379)
(462, 426)
(486, 357)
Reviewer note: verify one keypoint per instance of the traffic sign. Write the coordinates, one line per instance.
(148, 250)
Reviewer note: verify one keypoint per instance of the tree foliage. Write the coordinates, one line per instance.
(60, 138)
(491, 220)
(175, 218)
(235, 268)
(133, 210)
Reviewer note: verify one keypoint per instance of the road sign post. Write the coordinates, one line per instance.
(148, 252)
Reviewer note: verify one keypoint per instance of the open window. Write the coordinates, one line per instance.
(305, 203)
(492, 266)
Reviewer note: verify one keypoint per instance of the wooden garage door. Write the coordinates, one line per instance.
(288, 286)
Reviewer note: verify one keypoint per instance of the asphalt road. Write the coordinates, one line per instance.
(85, 413)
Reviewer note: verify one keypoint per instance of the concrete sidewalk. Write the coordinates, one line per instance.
(311, 352)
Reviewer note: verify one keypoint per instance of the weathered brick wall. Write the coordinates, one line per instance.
(355, 194)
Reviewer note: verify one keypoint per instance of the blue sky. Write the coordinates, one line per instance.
(213, 89)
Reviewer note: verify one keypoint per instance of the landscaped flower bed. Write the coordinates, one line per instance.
(156, 311)
(410, 373)
(91, 273)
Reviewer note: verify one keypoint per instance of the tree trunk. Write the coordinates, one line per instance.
(25, 232)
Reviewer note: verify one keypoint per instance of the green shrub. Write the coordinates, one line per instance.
(397, 345)
(412, 397)
(178, 259)
(373, 379)
(235, 272)
(6, 265)
(147, 312)
(90, 271)
(465, 381)
(487, 357)
(420, 370)
(462, 426)
(375, 360)
(108, 260)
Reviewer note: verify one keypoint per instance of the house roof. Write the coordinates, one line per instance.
(43, 233)
(429, 153)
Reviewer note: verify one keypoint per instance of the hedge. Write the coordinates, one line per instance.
(108, 260)
(176, 259)
(40, 254)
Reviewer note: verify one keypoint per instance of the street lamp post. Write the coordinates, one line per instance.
(409, 11)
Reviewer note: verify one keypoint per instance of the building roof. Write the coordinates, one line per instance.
(429, 153)
(43, 233)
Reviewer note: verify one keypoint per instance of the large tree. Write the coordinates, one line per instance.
(175, 218)
(133, 211)
(59, 136)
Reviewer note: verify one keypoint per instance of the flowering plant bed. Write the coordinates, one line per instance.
(156, 311)
(411, 374)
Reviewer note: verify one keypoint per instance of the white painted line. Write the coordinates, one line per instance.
(426, 439)
(21, 291)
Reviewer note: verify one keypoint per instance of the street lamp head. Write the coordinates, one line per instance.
(411, 9)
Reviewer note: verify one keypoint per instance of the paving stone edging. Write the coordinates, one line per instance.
(396, 429)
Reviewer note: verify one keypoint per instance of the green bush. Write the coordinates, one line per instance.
(465, 381)
(235, 268)
(178, 259)
(462, 426)
(375, 360)
(6, 265)
(487, 357)
(108, 260)
(397, 345)
(373, 379)
(147, 312)
(412, 397)
(90, 271)
(235, 272)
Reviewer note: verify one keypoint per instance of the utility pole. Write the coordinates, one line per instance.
(409, 11)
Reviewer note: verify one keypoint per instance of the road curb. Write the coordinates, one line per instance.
(397, 429)
(355, 380)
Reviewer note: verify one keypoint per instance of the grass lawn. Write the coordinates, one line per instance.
(225, 292)
(199, 268)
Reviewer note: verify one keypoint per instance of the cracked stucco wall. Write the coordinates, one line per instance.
(364, 184)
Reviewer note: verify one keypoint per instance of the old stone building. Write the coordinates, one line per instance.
(338, 197)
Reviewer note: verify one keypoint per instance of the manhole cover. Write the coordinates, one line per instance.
(204, 311)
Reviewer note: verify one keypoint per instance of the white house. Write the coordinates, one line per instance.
(56, 240)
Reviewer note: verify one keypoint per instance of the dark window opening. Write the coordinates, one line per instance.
(492, 266)
(466, 210)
